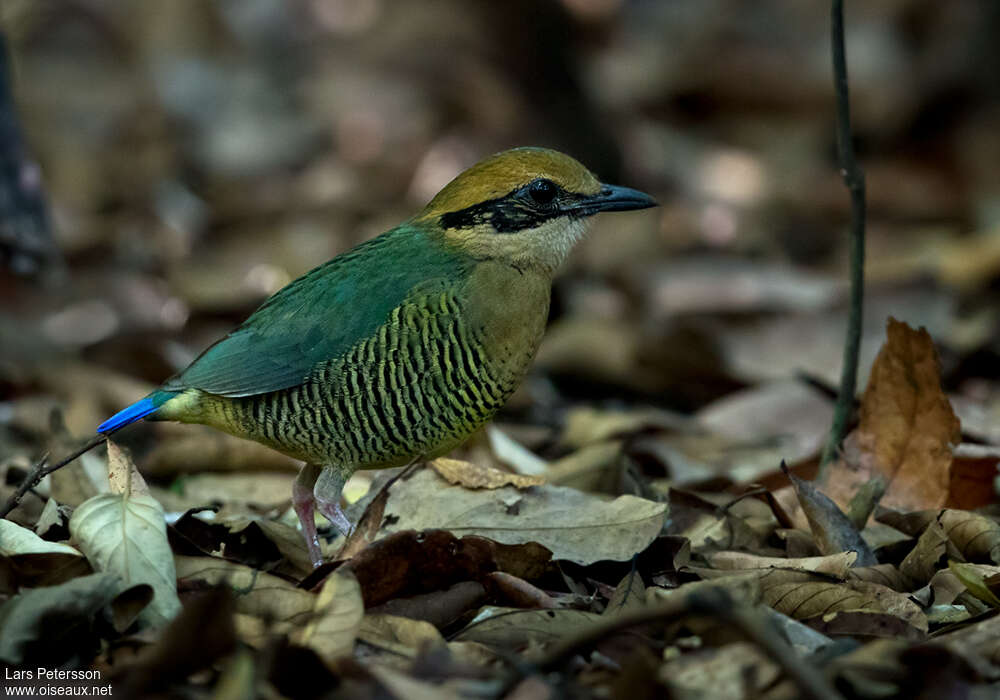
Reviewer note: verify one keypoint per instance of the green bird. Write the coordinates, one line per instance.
(402, 347)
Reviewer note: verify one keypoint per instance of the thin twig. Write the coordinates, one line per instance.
(42, 469)
(712, 602)
(854, 179)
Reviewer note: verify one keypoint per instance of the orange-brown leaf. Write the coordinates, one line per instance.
(907, 425)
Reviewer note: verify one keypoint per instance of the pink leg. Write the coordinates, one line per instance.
(327, 494)
(304, 505)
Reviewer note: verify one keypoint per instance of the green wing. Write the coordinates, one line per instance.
(320, 315)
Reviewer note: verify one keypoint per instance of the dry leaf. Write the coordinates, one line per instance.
(974, 581)
(738, 671)
(575, 526)
(977, 645)
(123, 477)
(401, 685)
(15, 539)
(28, 617)
(515, 629)
(975, 536)
(883, 574)
(836, 565)
(833, 531)
(476, 476)
(406, 563)
(928, 555)
(513, 454)
(400, 635)
(629, 596)
(260, 595)
(439, 608)
(336, 618)
(864, 623)
(519, 593)
(801, 600)
(907, 426)
(125, 533)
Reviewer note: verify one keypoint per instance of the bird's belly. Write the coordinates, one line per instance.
(417, 388)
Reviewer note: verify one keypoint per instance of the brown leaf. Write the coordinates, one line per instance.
(439, 608)
(928, 555)
(907, 426)
(864, 624)
(976, 536)
(833, 531)
(883, 574)
(409, 562)
(801, 600)
(515, 629)
(739, 670)
(477, 476)
(519, 593)
(978, 645)
(629, 596)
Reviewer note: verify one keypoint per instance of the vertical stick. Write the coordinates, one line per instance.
(854, 179)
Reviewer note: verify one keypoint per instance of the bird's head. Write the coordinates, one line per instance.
(525, 206)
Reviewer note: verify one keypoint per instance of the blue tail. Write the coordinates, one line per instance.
(140, 409)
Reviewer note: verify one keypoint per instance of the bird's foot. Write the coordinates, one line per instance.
(331, 511)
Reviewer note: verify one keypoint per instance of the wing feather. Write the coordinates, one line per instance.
(320, 315)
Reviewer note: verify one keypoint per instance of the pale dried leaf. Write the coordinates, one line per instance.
(15, 539)
(123, 476)
(127, 535)
(477, 476)
(336, 618)
(575, 526)
(513, 454)
(836, 565)
(400, 635)
(722, 673)
(50, 516)
(259, 594)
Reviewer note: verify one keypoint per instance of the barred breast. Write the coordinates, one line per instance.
(441, 366)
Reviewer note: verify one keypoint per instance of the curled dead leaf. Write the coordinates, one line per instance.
(836, 565)
(976, 536)
(478, 476)
(928, 555)
(801, 600)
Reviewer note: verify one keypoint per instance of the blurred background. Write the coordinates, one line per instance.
(184, 159)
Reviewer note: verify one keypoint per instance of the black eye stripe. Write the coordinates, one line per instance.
(515, 211)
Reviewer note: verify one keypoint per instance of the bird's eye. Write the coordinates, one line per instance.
(542, 191)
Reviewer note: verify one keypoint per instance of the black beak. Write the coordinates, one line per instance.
(611, 198)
